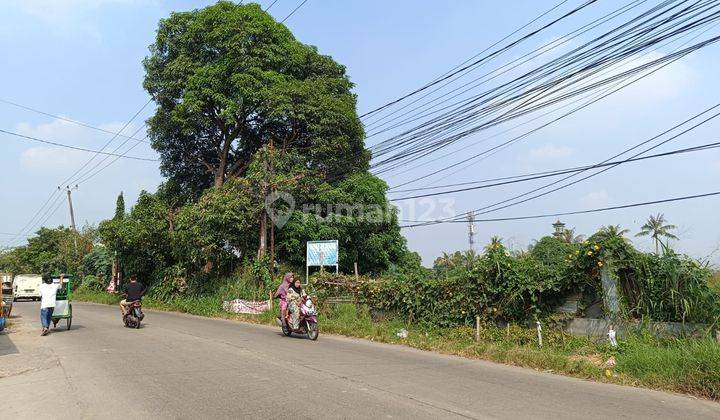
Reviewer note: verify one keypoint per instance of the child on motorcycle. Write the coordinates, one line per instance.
(295, 295)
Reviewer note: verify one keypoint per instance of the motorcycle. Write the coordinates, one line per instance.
(308, 321)
(134, 315)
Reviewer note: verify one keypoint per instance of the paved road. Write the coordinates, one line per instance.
(180, 366)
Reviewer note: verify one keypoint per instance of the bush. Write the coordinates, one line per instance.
(93, 283)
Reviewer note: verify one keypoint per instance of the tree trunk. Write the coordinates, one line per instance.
(220, 174)
(220, 171)
(272, 247)
(262, 249)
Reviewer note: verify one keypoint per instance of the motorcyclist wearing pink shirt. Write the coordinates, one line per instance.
(281, 294)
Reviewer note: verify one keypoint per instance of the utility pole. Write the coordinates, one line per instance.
(471, 230)
(72, 213)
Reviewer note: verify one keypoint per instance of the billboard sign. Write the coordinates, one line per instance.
(321, 254)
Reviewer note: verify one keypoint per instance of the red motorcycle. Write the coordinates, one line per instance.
(308, 320)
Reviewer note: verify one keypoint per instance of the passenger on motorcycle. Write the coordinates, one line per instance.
(295, 295)
(134, 291)
(281, 294)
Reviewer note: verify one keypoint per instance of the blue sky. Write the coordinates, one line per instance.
(82, 60)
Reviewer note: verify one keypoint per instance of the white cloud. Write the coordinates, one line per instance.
(68, 16)
(50, 159)
(47, 159)
(596, 199)
(548, 152)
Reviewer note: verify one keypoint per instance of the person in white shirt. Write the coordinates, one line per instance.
(48, 293)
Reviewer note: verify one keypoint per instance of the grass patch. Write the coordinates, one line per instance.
(683, 365)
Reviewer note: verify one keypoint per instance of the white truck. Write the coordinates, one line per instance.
(27, 286)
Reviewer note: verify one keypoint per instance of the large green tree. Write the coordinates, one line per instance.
(229, 79)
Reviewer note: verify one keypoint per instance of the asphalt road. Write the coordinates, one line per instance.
(180, 366)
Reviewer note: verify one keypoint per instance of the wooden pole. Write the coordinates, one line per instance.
(477, 328)
(357, 275)
(539, 333)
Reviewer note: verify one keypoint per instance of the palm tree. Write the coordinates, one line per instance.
(612, 231)
(568, 236)
(656, 227)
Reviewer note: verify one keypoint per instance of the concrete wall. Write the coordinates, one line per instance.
(591, 327)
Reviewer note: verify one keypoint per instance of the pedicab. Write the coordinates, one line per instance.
(63, 307)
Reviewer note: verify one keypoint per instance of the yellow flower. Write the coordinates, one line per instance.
(577, 252)
(463, 312)
(589, 252)
(597, 247)
(600, 263)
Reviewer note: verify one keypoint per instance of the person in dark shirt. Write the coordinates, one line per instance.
(133, 291)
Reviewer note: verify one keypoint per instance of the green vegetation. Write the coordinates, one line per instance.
(503, 286)
(252, 124)
(54, 251)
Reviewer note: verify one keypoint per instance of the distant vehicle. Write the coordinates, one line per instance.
(27, 286)
(7, 293)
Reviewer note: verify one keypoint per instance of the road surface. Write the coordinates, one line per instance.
(179, 366)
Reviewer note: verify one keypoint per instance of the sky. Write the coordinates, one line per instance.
(82, 60)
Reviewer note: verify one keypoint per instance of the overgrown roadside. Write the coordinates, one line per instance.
(690, 366)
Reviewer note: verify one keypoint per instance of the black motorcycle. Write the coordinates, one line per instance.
(133, 315)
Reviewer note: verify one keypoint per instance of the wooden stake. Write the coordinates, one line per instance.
(477, 328)
(357, 275)
(539, 333)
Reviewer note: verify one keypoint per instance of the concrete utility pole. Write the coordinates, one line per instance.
(72, 213)
(471, 230)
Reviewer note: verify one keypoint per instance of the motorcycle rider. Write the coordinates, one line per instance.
(295, 295)
(134, 291)
(281, 294)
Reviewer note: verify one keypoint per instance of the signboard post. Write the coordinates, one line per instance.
(321, 254)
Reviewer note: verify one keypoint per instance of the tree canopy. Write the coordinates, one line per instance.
(229, 79)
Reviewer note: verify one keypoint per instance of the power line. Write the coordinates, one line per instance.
(484, 58)
(67, 146)
(68, 179)
(600, 96)
(293, 12)
(548, 84)
(536, 129)
(58, 117)
(39, 217)
(568, 213)
(271, 5)
(45, 216)
(544, 49)
(489, 208)
(34, 216)
(548, 174)
(89, 173)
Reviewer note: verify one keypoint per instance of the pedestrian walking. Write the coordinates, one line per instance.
(48, 293)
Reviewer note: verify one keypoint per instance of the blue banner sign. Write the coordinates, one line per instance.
(321, 253)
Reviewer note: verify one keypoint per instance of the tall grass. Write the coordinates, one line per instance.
(685, 365)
